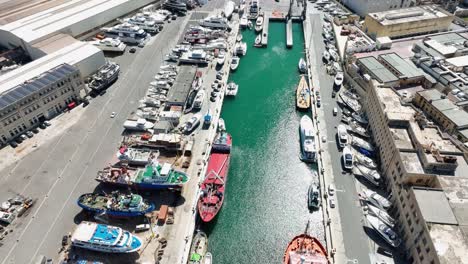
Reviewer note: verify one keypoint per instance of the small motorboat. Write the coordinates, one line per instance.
(313, 197)
(250, 24)
(240, 48)
(338, 80)
(234, 63)
(231, 89)
(382, 215)
(302, 66)
(376, 199)
(221, 125)
(259, 24)
(221, 58)
(384, 231)
(244, 21)
(326, 55)
(239, 38)
(258, 41)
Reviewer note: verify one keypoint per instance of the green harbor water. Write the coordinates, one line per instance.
(266, 199)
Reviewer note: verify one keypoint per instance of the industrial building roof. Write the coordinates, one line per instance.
(405, 68)
(12, 10)
(443, 105)
(408, 15)
(431, 94)
(377, 70)
(23, 90)
(434, 206)
(460, 61)
(457, 116)
(177, 95)
(73, 54)
(62, 17)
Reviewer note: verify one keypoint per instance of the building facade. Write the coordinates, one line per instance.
(407, 22)
(25, 106)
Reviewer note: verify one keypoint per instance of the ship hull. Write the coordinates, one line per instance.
(142, 186)
(318, 253)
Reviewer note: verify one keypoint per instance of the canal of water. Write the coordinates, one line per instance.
(266, 199)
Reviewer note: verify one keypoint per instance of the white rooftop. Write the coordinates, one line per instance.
(72, 54)
(84, 231)
(460, 61)
(408, 15)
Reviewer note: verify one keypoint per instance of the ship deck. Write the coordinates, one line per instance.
(173, 177)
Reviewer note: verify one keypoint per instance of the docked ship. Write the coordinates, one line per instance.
(231, 89)
(343, 137)
(308, 140)
(105, 76)
(175, 6)
(240, 49)
(116, 204)
(371, 175)
(305, 249)
(126, 32)
(382, 215)
(110, 44)
(234, 63)
(213, 187)
(216, 22)
(104, 238)
(133, 156)
(153, 177)
(303, 95)
(199, 248)
(302, 66)
(313, 197)
(376, 199)
(348, 158)
(384, 231)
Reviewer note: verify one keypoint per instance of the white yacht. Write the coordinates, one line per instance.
(145, 24)
(258, 41)
(371, 175)
(361, 143)
(190, 125)
(302, 66)
(175, 6)
(244, 21)
(104, 238)
(338, 80)
(384, 231)
(221, 58)
(194, 57)
(259, 24)
(110, 44)
(199, 98)
(334, 55)
(229, 9)
(231, 89)
(348, 158)
(217, 22)
(234, 63)
(126, 32)
(241, 48)
(343, 137)
(382, 215)
(363, 160)
(308, 139)
(376, 199)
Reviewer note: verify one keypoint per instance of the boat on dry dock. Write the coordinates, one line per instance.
(134, 156)
(357, 129)
(361, 143)
(376, 199)
(153, 177)
(382, 215)
(343, 137)
(116, 204)
(214, 185)
(384, 231)
(350, 102)
(303, 95)
(305, 249)
(371, 175)
(363, 160)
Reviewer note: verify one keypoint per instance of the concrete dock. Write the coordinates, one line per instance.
(266, 22)
(289, 36)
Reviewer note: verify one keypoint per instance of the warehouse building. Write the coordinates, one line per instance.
(34, 96)
(407, 22)
(364, 7)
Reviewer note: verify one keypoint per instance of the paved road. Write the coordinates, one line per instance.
(58, 172)
(356, 243)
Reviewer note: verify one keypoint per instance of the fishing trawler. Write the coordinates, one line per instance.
(104, 238)
(153, 177)
(303, 95)
(199, 248)
(305, 249)
(214, 185)
(116, 204)
(307, 137)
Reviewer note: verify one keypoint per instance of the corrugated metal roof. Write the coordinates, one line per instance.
(377, 70)
(404, 67)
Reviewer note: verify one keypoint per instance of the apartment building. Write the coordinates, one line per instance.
(414, 155)
(40, 98)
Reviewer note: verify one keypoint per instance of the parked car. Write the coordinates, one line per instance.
(332, 203)
(29, 134)
(331, 189)
(13, 144)
(132, 50)
(47, 123)
(42, 126)
(333, 94)
(113, 114)
(142, 227)
(23, 137)
(335, 111)
(35, 130)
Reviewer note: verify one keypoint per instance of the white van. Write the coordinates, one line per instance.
(335, 111)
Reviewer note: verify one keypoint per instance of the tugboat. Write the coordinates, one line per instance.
(199, 248)
(153, 177)
(116, 204)
(305, 249)
(313, 201)
(303, 95)
(104, 238)
(213, 187)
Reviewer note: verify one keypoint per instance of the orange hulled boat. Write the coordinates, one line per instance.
(304, 249)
